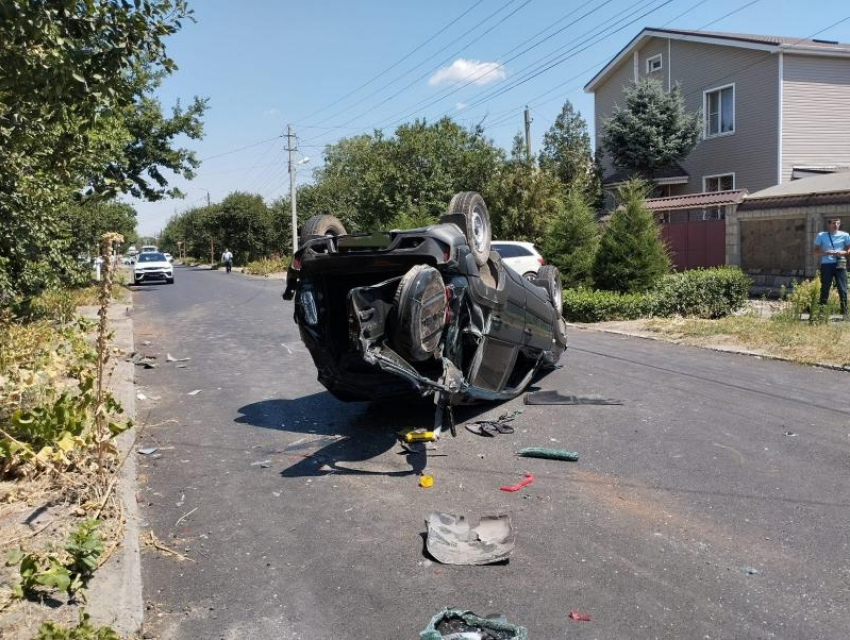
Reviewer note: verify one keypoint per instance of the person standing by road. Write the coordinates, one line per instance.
(833, 247)
(227, 259)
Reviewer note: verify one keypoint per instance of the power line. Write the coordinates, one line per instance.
(452, 90)
(250, 146)
(394, 65)
(570, 53)
(569, 80)
(427, 73)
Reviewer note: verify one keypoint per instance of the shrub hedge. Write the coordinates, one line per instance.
(701, 293)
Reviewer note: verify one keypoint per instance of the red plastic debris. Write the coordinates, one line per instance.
(529, 478)
(578, 616)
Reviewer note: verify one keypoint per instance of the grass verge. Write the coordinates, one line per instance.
(783, 335)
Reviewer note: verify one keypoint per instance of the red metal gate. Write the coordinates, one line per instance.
(695, 243)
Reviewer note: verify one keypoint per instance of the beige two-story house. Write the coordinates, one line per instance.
(773, 108)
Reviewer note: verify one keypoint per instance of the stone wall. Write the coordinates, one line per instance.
(774, 246)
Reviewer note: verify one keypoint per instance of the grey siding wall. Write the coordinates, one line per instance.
(751, 152)
(654, 47)
(606, 97)
(816, 112)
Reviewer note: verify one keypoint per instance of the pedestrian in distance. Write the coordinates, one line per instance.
(833, 247)
(227, 259)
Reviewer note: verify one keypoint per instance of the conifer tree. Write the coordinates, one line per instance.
(571, 240)
(653, 130)
(631, 255)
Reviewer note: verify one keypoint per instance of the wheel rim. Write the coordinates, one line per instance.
(479, 230)
(558, 297)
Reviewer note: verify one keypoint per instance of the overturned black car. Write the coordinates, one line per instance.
(430, 311)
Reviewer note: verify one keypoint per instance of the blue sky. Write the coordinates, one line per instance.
(264, 64)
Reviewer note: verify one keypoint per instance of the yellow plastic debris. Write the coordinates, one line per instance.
(418, 436)
(426, 482)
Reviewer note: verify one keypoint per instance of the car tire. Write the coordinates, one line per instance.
(169, 281)
(469, 205)
(322, 225)
(531, 276)
(420, 303)
(549, 278)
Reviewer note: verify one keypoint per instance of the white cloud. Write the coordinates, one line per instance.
(270, 113)
(460, 106)
(468, 71)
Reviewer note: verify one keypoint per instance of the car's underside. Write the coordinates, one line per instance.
(403, 312)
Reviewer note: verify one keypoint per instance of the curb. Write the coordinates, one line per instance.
(735, 350)
(115, 592)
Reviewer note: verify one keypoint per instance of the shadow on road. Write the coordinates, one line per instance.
(346, 438)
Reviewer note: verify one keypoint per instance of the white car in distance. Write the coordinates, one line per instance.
(152, 267)
(522, 257)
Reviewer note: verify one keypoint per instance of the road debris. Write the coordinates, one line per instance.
(184, 516)
(147, 451)
(578, 616)
(549, 454)
(426, 482)
(529, 478)
(416, 435)
(790, 434)
(554, 397)
(171, 358)
(458, 624)
(451, 540)
(152, 541)
(194, 393)
(750, 571)
(263, 464)
(141, 396)
(490, 428)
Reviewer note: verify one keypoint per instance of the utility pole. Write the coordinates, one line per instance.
(208, 198)
(291, 149)
(527, 134)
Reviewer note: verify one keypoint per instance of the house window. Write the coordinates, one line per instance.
(654, 64)
(719, 110)
(723, 182)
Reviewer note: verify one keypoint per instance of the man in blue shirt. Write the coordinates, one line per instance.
(833, 247)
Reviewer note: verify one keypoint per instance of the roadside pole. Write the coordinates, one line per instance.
(291, 149)
(527, 133)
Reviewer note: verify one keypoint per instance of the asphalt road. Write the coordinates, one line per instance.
(692, 513)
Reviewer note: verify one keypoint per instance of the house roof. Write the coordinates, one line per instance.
(671, 174)
(831, 188)
(696, 200)
(767, 43)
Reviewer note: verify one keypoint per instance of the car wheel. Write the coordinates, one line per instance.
(549, 278)
(322, 225)
(169, 281)
(530, 275)
(420, 303)
(476, 223)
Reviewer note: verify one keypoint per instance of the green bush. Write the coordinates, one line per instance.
(83, 631)
(267, 265)
(587, 305)
(701, 293)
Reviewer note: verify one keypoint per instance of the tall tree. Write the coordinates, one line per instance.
(566, 150)
(631, 256)
(653, 130)
(521, 199)
(77, 119)
(571, 240)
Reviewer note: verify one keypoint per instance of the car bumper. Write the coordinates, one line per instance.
(153, 276)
